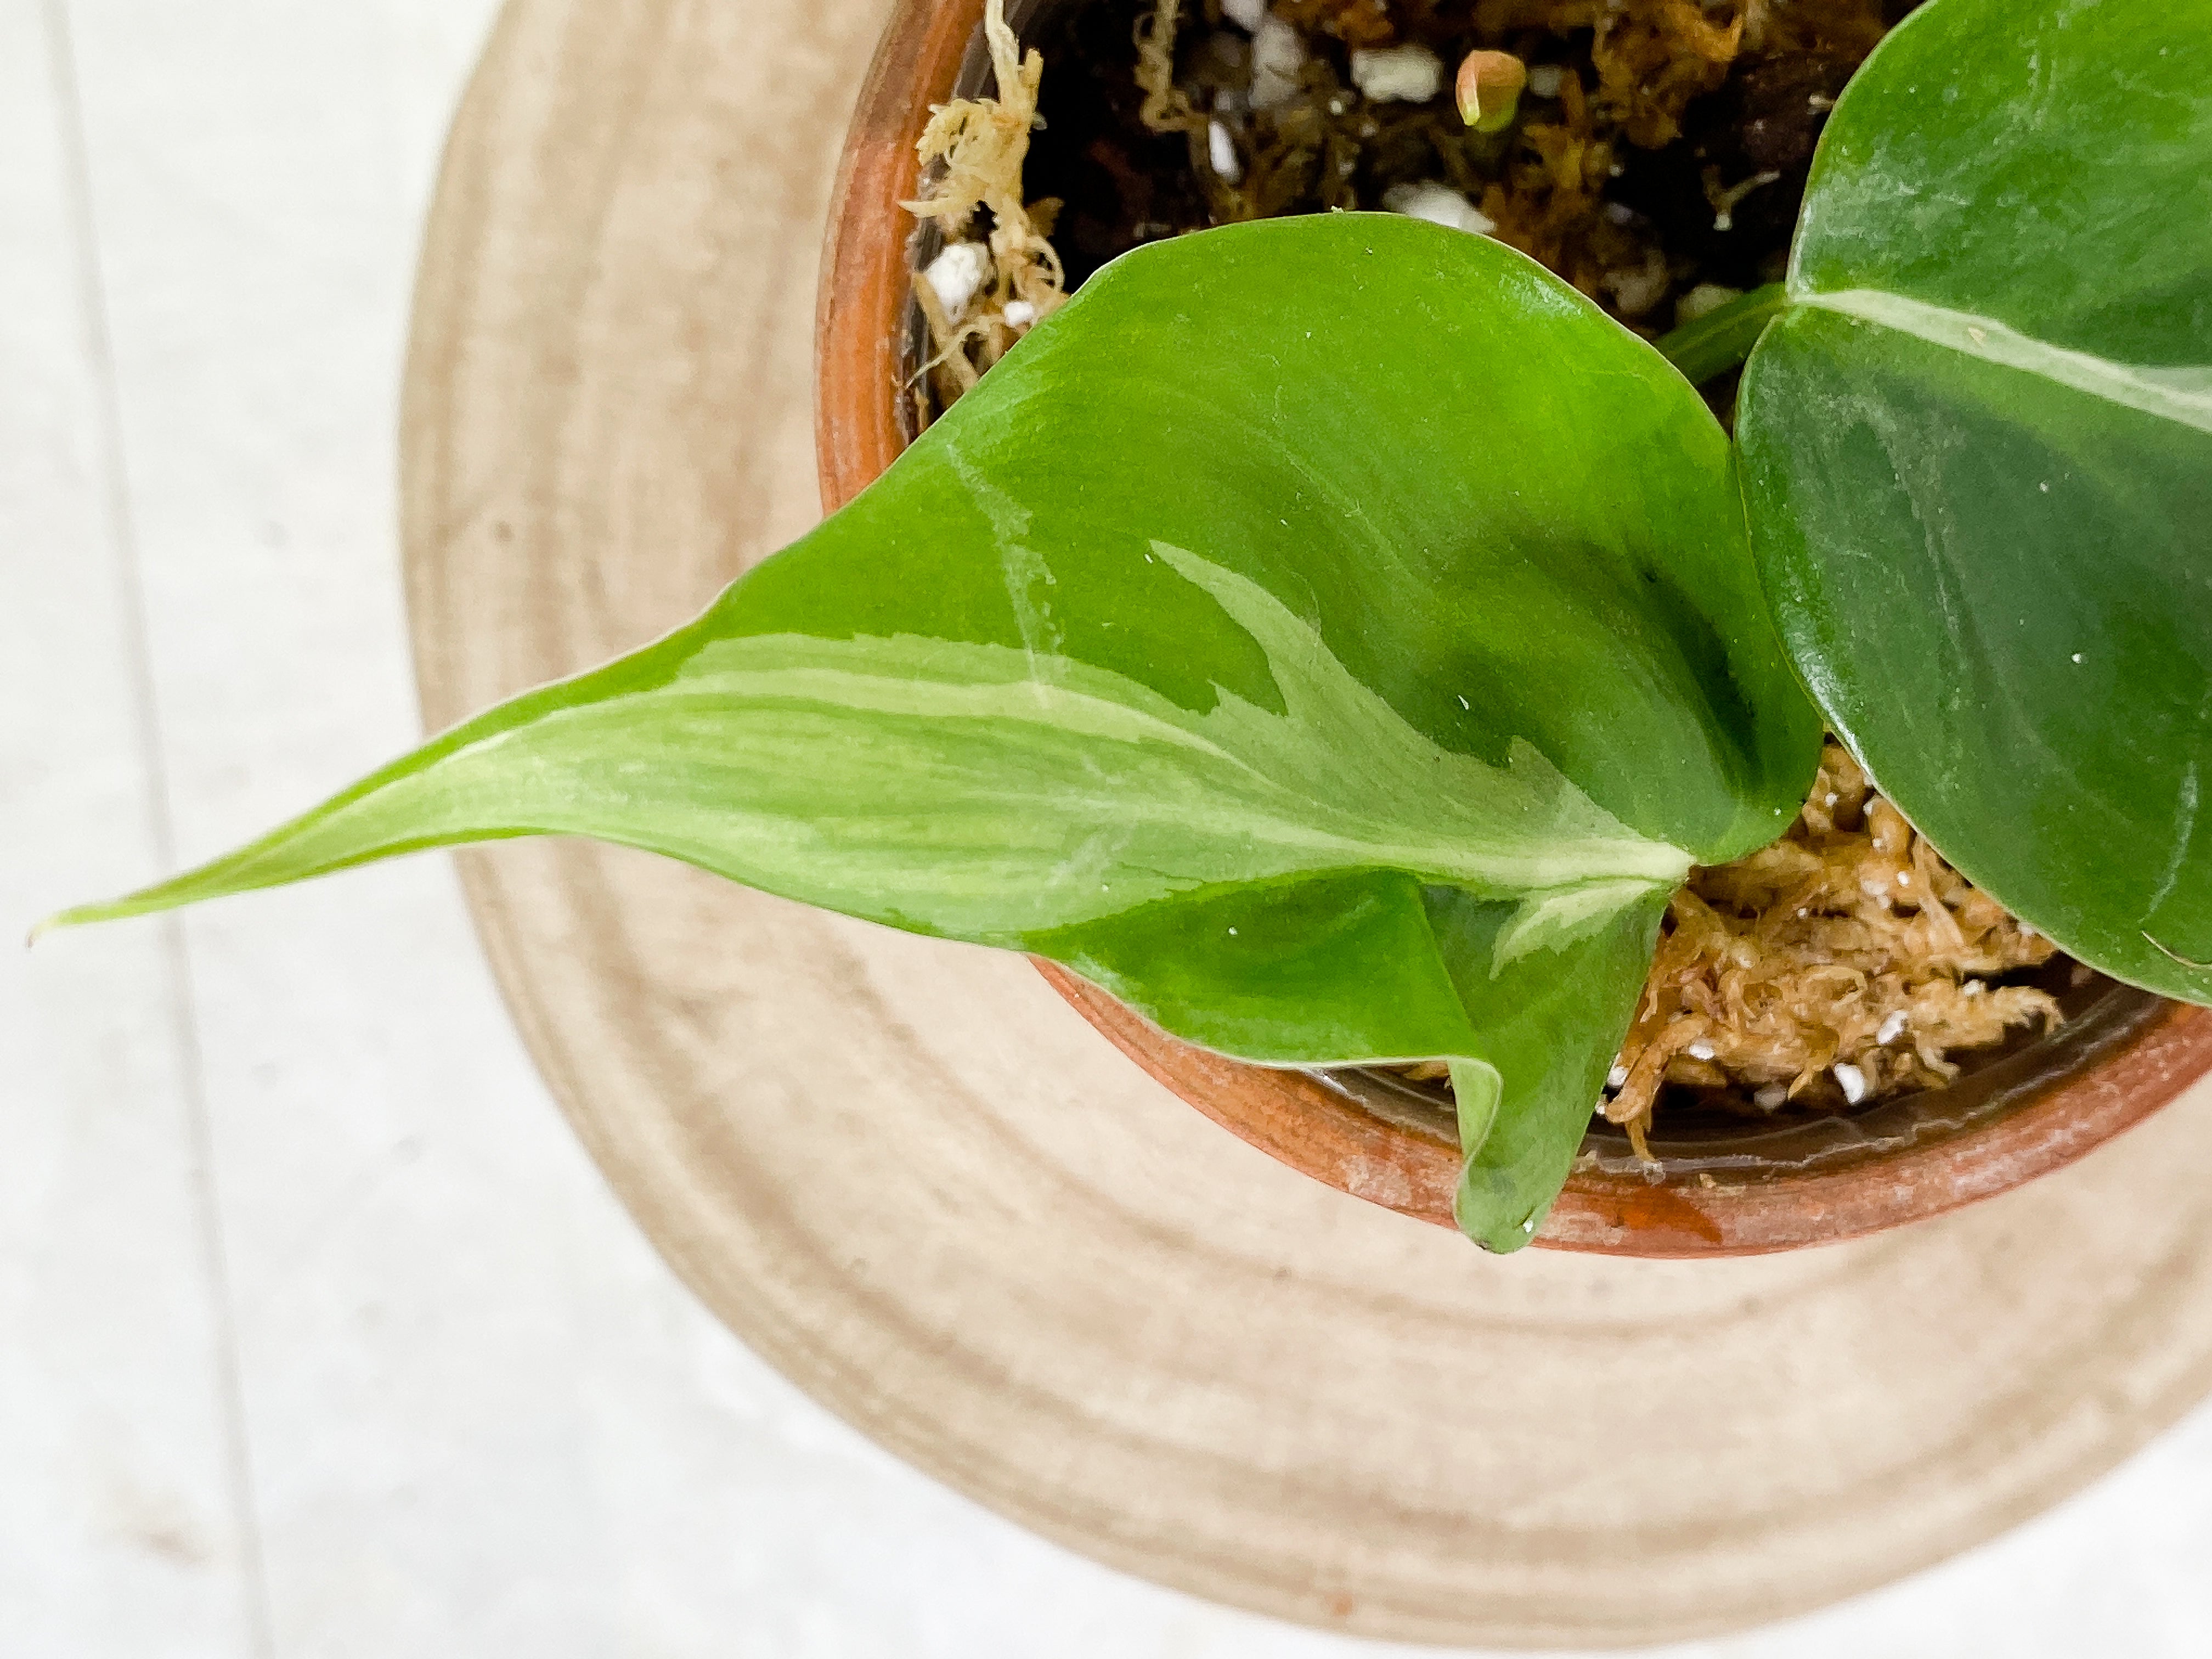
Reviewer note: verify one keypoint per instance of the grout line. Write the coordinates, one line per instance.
(161, 825)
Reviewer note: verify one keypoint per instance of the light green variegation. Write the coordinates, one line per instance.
(932, 784)
(1978, 457)
(1334, 637)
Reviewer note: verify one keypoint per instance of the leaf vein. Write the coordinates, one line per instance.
(2181, 393)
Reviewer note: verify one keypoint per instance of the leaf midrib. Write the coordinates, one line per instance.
(2131, 385)
(1267, 811)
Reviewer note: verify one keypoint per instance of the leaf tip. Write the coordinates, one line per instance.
(76, 915)
(1492, 1209)
(146, 901)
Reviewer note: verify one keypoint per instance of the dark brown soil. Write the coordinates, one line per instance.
(1118, 184)
(1631, 168)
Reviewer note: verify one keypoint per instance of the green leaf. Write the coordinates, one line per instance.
(1979, 458)
(1721, 339)
(1334, 636)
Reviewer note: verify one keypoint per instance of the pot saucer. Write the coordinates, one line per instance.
(913, 1178)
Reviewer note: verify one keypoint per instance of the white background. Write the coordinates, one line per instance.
(318, 1334)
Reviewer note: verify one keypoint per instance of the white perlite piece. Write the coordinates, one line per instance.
(1702, 302)
(1399, 75)
(1891, 1029)
(1617, 1077)
(1018, 313)
(1221, 151)
(1637, 291)
(1773, 1096)
(1701, 1049)
(1851, 1080)
(1247, 15)
(1440, 204)
(1544, 80)
(955, 274)
(1278, 55)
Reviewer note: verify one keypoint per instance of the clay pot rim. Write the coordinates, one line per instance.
(2147, 1055)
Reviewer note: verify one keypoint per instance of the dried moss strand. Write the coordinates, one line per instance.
(1849, 944)
(972, 154)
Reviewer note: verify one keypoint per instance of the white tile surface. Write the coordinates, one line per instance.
(121, 1500)
(392, 1328)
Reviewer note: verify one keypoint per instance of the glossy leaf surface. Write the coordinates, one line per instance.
(1334, 636)
(1978, 457)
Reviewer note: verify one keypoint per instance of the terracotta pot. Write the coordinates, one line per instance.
(1721, 1189)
